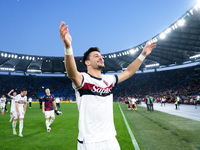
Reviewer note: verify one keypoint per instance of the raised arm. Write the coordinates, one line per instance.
(134, 66)
(70, 64)
(10, 93)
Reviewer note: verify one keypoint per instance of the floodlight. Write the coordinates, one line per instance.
(191, 11)
(195, 56)
(198, 4)
(181, 22)
(152, 65)
(168, 30)
(162, 36)
(131, 51)
(5, 55)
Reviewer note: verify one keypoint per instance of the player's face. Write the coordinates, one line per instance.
(23, 93)
(47, 91)
(3, 96)
(14, 94)
(96, 61)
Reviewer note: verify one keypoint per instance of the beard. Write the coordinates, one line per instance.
(100, 67)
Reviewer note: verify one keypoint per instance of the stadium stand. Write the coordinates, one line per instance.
(183, 82)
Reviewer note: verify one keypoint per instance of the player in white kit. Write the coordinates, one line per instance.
(3, 104)
(30, 101)
(13, 108)
(20, 103)
(93, 94)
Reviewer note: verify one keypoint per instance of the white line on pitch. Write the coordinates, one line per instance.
(135, 144)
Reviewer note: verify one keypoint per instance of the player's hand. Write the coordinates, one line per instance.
(43, 111)
(24, 113)
(18, 114)
(12, 90)
(148, 48)
(64, 35)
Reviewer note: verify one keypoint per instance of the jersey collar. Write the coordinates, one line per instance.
(94, 77)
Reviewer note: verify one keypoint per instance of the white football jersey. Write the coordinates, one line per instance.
(30, 100)
(21, 101)
(13, 103)
(3, 100)
(57, 100)
(95, 104)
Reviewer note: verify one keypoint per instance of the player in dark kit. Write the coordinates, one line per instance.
(47, 108)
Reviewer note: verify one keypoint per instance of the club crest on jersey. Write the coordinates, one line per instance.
(106, 83)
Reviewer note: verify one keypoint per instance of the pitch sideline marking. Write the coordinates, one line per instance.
(135, 144)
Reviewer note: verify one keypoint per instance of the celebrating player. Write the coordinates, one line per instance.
(13, 108)
(20, 104)
(47, 108)
(3, 104)
(93, 94)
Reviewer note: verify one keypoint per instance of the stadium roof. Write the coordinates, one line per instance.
(176, 45)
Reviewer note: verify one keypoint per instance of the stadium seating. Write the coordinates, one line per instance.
(183, 82)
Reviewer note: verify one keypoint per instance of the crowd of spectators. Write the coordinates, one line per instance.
(35, 85)
(182, 82)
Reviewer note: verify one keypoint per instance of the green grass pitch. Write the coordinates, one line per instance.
(64, 130)
(153, 131)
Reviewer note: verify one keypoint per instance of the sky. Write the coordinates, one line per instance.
(32, 26)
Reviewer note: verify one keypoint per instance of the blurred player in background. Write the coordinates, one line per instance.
(20, 104)
(133, 100)
(12, 102)
(151, 103)
(129, 103)
(148, 103)
(58, 102)
(3, 104)
(40, 101)
(47, 108)
(30, 101)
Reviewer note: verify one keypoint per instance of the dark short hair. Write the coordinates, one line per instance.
(87, 53)
(23, 89)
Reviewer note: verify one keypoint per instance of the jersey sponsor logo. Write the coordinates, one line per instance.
(91, 89)
(21, 101)
(101, 90)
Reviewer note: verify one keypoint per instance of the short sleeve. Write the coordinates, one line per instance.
(53, 98)
(116, 80)
(43, 99)
(17, 98)
(82, 84)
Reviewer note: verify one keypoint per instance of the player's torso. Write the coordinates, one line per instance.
(21, 101)
(13, 102)
(3, 100)
(48, 102)
(95, 102)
